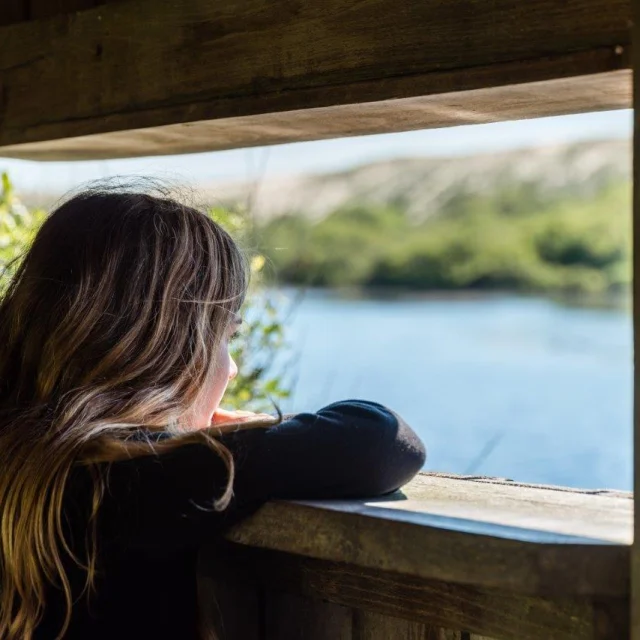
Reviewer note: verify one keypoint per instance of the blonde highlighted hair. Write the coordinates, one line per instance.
(109, 325)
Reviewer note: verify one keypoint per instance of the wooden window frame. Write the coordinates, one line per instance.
(89, 79)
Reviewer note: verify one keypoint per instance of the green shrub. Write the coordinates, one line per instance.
(515, 239)
(18, 226)
(262, 335)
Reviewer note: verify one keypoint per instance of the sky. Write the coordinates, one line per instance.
(327, 155)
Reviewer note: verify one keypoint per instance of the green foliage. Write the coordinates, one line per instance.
(515, 239)
(17, 229)
(340, 250)
(262, 335)
(257, 387)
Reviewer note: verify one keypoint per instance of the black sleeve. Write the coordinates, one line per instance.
(348, 449)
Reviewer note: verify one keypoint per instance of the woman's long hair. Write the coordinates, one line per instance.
(110, 324)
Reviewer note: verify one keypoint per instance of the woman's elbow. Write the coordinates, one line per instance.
(392, 452)
(399, 463)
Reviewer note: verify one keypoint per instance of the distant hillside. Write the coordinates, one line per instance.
(554, 219)
(551, 219)
(424, 187)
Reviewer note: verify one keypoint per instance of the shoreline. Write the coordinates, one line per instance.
(618, 301)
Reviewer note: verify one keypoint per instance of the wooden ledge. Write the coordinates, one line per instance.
(481, 532)
(456, 557)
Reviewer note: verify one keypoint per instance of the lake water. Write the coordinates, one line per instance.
(521, 388)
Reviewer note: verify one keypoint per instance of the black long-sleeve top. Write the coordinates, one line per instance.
(154, 515)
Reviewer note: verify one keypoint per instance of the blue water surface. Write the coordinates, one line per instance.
(506, 386)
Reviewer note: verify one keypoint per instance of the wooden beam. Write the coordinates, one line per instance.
(281, 71)
(497, 535)
(512, 102)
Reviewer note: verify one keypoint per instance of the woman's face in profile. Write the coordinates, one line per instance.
(224, 370)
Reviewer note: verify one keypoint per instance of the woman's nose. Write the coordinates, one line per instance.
(233, 368)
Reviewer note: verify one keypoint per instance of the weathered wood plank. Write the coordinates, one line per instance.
(143, 64)
(370, 625)
(513, 102)
(240, 607)
(433, 604)
(566, 547)
(292, 617)
(559, 510)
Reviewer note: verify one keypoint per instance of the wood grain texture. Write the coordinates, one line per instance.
(430, 606)
(527, 540)
(141, 63)
(291, 617)
(370, 625)
(513, 102)
(542, 508)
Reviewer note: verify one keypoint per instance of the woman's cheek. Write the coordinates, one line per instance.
(214, 389)
(225, 370)
(233, 368)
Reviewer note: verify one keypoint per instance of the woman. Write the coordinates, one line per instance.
(115, 459)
